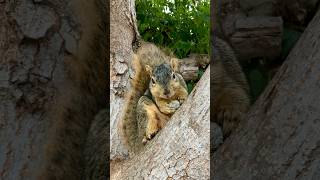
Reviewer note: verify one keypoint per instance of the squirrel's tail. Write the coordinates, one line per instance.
(230, 62)
(139, 84)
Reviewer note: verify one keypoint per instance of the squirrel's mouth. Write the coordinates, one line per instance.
(169, 96)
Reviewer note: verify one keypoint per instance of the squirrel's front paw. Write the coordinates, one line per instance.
(170, 107)
(181, 101)
(174, 105)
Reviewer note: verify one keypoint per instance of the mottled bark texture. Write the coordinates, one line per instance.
(252, 26)
(280, 138)
(293, 11)
(122, 35)
(253, 35)
(189, 66)
(50, 77)
(181, 149)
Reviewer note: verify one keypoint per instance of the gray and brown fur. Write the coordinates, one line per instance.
(229, 88)
(166, 89)
(143, 116)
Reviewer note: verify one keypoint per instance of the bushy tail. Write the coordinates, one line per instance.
(230, 62)
(139, 84)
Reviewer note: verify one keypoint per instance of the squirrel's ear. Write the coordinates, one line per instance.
(174, 62)
(149, 69)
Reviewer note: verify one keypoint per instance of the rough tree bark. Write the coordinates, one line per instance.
(281, 138)
(181, 149)
(40, 73)
(252, 26)
(122, 34)
(183, 146)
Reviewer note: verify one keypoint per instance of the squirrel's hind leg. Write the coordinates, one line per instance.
(230, 108)
(150, 119)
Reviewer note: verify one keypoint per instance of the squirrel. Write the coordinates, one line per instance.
(157, 91)
(229, 88)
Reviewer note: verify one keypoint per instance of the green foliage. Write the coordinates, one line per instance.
(200, 72)
(259, 74)
(258, 77)
(258, 80)
(190, 86)
(181, 25)
(290, 37)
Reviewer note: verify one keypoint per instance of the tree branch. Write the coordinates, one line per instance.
(189, 67)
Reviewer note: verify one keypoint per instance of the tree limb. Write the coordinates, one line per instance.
(189, 67)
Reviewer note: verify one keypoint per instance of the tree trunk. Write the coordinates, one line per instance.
(181, 149)
(50, 78)
(122, 34)
(281, 137)
(163, 157)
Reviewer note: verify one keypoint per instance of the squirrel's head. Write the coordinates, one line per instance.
(163, 80)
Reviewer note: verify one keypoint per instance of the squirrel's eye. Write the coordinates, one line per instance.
(153, 81)
(173, 76)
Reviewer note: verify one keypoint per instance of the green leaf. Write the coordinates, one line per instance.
(258, 80)
(180, 25)
(200, 73)
(190, 86)
(290, 37)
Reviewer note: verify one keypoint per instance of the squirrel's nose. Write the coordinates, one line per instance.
(166, 92)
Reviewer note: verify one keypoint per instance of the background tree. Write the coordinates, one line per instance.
(52, 83)
(181, 25)
(280, 138)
